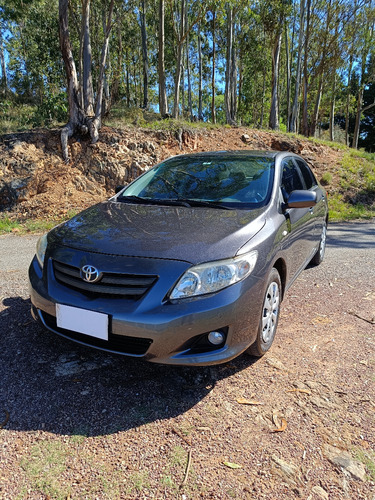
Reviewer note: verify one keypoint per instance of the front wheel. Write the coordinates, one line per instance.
(270, 316)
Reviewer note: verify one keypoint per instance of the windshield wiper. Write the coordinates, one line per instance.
(204, 203)
(153, 201)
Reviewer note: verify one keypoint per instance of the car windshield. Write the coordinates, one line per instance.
(234, 182)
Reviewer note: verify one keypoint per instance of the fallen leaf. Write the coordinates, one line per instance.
(231, 465)
(244, 401)
(205, 429)
(282, 427)
(304, 391)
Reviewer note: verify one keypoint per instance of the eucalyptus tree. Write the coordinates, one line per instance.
(366, 34)
(183, 25)
(85, 114)
(294, 118)
(273, 15)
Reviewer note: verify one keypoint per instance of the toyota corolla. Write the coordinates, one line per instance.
(188, 264)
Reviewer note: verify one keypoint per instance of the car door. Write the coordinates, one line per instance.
(300, 240)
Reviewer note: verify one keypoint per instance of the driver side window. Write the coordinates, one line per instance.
(290, 180)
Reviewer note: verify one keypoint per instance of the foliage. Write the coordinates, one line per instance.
(338, 37)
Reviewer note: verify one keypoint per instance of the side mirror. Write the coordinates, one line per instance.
(301, 199)
(118, 189)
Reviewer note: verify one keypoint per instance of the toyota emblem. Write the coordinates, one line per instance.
(90, 274)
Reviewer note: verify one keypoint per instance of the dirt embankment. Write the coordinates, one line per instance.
(36, 183)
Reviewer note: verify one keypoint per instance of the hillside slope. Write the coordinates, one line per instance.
(36, 183)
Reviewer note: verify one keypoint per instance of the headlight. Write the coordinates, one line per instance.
(214, 276)
(41, 247)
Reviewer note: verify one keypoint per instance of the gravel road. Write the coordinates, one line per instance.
(80, 423)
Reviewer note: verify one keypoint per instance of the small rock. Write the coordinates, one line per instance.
(320, 492)
(289, 471)
(344, 460)
(245, 138)
(275, 363)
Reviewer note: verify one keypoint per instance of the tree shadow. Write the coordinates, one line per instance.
(359, 235)
(52, 384)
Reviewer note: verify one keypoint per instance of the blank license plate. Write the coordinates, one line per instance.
(83, 321)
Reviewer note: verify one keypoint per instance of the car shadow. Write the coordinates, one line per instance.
(52, 384)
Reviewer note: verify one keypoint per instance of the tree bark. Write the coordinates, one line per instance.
(177, 81)
(163, 103)
(87, 89)
(79, 119)
(348, 98)
(274, 112)
(332, 110)
(200, 100)
(305, 118)
(294, 117)
(287, 62)
(318, 99)
(144, 53)
(213, 108)
(229, 70)
(190, 99)
(4, 79)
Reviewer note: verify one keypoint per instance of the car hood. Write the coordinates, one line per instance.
(196, 234)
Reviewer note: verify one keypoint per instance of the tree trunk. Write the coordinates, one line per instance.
(294, 118)
(332, 110)
(144, 53)
(87, 89)
(287, 61)
(177, 81)
(163, 103)
(213, 108)
(314, 121)
(200, 113)
(79, 119)
(118, 70)
(358, 117)
(233, 85)
(274, 113)
(190, 100)
(305, 118)
(348, 98)
(229, 70)
(4, 79)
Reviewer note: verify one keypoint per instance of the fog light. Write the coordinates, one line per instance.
(216, 338)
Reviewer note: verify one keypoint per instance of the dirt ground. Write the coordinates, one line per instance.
(298, 423)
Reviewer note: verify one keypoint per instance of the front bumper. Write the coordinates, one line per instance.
(153, 328)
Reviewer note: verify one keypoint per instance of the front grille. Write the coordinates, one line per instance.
(125, 285)
(115, 343)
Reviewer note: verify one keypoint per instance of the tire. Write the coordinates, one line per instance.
(270, 316)
(319, 256)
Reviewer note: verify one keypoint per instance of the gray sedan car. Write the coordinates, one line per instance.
(188, 264)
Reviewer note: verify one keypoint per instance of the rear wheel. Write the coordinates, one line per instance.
(270, 316)
(319, 256)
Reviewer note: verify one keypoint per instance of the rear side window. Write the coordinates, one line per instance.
(307, 175)
(291, 180)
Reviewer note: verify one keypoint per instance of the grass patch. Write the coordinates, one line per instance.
(341, 210)
(22, 227)
(367, 457)
(326, 179)
(45, 467)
